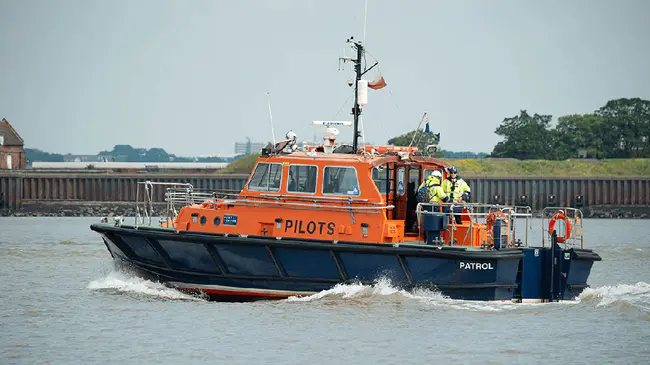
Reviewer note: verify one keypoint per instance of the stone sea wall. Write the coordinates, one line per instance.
(128, 209)
(102, 193)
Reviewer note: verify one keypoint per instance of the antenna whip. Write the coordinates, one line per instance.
(271, 118)
(365, 17)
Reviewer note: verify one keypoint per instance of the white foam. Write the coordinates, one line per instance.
(635, 294)
(347, 291)
(124, 283)
(383, 288)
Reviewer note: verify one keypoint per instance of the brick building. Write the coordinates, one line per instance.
(12, 152)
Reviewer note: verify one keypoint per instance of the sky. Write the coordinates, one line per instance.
(193, 77)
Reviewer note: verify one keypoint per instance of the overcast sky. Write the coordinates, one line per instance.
(192, 76)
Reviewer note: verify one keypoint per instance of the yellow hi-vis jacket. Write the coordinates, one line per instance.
(455, 188)
(436, 193)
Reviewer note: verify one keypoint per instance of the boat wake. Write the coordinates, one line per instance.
(619, 296)
(118, 282)
(382, 291)
(381, 288)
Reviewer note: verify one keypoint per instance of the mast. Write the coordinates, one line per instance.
(356, 110)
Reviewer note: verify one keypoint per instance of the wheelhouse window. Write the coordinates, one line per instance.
(340, 181)
(428, 173)
(381, 176)
(413, 180)
(302, 179)
(401, 174)
(266, 177)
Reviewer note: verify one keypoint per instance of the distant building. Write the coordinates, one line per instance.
(248, 147)
(12, 152)
(149, 166)
(84, 158)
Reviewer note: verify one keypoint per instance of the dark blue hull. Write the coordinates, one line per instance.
(250, 268)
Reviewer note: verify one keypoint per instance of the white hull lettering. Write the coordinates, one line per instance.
(476, 265)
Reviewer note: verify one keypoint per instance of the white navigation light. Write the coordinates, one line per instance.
(291, 136)
(331, 133)
(362, 92)
(292, 141)
(329, 140)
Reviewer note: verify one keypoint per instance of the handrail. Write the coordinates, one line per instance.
(183, 194)
(247, 202)
(478, 212)
(521, 212)
(312, 198)
(174, 194)
(572, 214)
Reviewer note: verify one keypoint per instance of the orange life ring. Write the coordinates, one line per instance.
(492, 217)
(210, 204)
(551, 227)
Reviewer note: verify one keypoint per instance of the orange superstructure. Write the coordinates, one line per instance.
(328, 196)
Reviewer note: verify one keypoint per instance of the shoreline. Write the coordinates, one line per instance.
(127, 209)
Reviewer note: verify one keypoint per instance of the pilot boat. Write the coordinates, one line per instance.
(311, 217)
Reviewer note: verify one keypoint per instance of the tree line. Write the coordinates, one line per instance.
(122, 153)
(619, 129)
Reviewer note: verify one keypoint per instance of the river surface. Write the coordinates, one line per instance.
(64, 303)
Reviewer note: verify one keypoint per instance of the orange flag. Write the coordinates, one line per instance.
(376, 85)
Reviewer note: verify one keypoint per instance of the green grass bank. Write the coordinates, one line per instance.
(547, 168)
(504, 167)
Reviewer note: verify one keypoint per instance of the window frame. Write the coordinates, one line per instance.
(289, 180)
(248, 184)
(356, 175)
(387, 181)
(425, 175)
(401, 177)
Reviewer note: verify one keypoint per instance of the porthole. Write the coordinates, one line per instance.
(217, 221)
(203, 220)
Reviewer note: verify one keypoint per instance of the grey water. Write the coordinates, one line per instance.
(62, 302)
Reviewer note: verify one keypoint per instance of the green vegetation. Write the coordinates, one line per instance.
(121, 153)
(620, 129)
(126, 153)
(612, 141)
(34, 154)
(568, 168)
(242, 165)
(421, 141)
(472, 167)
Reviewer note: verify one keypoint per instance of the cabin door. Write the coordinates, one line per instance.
(407, 181)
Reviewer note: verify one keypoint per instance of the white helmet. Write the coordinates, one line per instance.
(437, 173)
